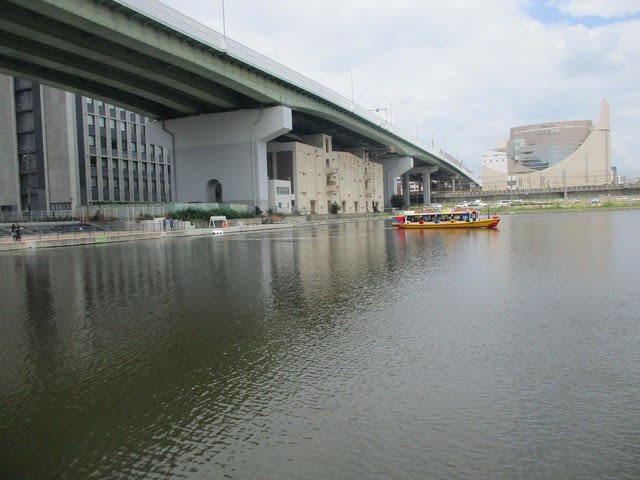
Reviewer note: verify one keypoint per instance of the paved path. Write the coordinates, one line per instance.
(91, 238)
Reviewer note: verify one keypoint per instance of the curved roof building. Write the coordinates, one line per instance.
(552, 154)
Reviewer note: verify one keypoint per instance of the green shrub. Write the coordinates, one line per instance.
(191, 213)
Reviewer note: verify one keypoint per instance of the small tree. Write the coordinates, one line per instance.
(397, 201)
(335, 208)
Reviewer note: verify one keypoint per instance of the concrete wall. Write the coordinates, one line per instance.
(280, 202)
(322, 176)
(61, 148)
(227, 147)
(8, 146)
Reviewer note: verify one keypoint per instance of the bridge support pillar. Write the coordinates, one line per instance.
(394, 167)
(222, 157)
(406, 189)
(426, 182)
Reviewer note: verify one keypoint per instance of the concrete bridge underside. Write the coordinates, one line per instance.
(148, 58)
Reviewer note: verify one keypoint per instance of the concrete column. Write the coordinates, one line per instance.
(453, 184)
(426, 182)
(228, 147)
(10, 178)
(426, 189)
(392, 168)
(406, 189)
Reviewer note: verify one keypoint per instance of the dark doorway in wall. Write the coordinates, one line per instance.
(214, 191)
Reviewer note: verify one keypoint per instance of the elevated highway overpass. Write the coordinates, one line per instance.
(149, 58)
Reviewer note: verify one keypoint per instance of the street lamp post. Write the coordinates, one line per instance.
(351, 77)
(224, 23)
(380, 109)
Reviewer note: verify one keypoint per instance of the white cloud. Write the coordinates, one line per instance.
(458, 73)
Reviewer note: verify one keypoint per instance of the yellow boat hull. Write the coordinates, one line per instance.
(448, 224)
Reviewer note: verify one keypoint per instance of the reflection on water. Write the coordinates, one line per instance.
(345, 351)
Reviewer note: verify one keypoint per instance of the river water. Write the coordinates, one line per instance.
(343, 351)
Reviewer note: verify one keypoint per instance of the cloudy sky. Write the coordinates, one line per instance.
(457, 74)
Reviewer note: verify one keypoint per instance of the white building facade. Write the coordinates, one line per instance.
(321, 177)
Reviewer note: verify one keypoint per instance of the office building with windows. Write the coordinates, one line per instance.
(61, 151)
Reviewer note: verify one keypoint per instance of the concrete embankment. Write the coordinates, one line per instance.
(49, 240)
(94, 238)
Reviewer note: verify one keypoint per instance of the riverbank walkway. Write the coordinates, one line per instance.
(94, 237)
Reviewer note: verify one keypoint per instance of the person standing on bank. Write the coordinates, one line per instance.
(18, 234)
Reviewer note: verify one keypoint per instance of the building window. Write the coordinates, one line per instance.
(60, 206)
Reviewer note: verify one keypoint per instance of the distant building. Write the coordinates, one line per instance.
(320, 176)
(552, 154)
(61, 151)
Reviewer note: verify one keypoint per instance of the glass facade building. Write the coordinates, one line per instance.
(544, 145)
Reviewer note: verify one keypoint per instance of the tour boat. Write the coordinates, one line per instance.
(457, 218)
